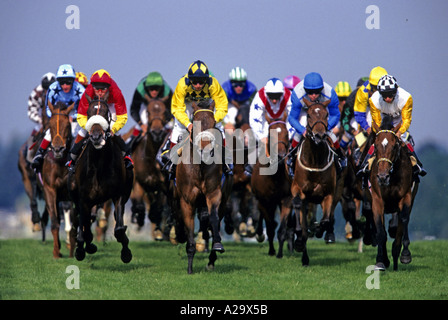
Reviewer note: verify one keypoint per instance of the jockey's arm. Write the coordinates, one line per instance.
(294, 115)
(360, 107)
(218, 94)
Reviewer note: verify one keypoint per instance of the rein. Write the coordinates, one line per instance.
(330, 160)
(57, 123)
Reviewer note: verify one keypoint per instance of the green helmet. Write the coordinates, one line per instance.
(154, 79)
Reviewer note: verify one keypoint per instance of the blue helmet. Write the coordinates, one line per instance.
(313, 80)
(66, 71)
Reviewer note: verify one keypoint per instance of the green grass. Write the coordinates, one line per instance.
(243, 272)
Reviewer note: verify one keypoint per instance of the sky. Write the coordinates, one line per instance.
(342, 40)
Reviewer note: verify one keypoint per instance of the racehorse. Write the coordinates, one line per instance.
(100, 175)
(54, 171)
(242, 203)
(149, 181)
(315, 175)
(392, 190)
(32, 190)
(272, 189)
(200, 184)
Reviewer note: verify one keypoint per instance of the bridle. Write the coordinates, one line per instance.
(384, 159)
(309, 128)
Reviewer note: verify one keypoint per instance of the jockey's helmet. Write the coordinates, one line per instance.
(343, 89)
(274, 89)
(313, 81)
(198, 70)
(154, 79)
(101, 79)
(290, 82)
(238, 74)
(47, 80)
(387, 83)
(65, 71)
(375, 75)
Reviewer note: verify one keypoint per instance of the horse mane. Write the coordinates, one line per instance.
(387, 122)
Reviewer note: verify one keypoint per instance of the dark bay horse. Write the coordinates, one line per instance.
(200, 185)
(100, 175)
(149, 181)
(273, 189)
(393, 190)
(54, 172)
(315, 176)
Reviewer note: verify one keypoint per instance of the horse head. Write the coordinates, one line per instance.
(98, 121)
(156, 113)
(387, 148)
(60, 127)
(278, 136)
(204, 135)
(317, 120)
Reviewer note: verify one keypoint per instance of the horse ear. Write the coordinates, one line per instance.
(70, 107)
(375, 127)
(212, 106)
(165, 99)
(50, 106)
(326, 103)
(88, 98)
(195, 106)
(147, 98)
(308, 103)
(397, 127)
(106, 96)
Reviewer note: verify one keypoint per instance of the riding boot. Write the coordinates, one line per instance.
(290, 162)
(130, 143)
(227, 163)
(172, 171)
(128, 163)
(248, 169)
(163, 155)
(417, 166)
(38, 159)
(341, 160)
(74, 153)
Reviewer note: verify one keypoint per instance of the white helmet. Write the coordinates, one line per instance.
(274, 85)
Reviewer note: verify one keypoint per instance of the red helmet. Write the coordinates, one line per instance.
(101, 76)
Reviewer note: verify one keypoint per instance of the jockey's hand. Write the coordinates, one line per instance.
(144, 128)
(190, 127)
(369, 130)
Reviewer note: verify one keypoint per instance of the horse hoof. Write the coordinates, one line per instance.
(210, 267)
(330, 238)
(126, 255)
(405, 259)
(80, 254)
(380, 266)
(37, 227)
(260, 237)
(299, 246)
(200, 247)
(91, 248)
(217, 246)
(158, 235)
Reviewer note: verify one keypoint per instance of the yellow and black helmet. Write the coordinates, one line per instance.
(198, 69)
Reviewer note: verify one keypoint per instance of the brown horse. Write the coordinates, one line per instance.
(199, 183)
(100, 175)
(315, 175)
(272, 189)
(54, 172)
(392, 190)
(149, 181)
(32, 190)
(243, 214)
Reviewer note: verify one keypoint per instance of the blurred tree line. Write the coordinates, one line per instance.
(429, 215)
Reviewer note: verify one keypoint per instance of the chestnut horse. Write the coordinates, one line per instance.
(272, 189)
(393, 190)
(149, 181)
(100, 175)
(53, 177)
(200, 184)
(315, 175)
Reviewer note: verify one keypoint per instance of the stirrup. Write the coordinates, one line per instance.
(70, 166)
(128, 162)
(228, 169)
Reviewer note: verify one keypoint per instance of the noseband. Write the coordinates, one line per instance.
(387, 159)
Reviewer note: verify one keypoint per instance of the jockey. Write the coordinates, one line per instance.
(290, 82)
(395, 101)
(270, 101)
(196, 85)
(240, 93)
(36, 102)
(343, 90)
(66, 90)
(101, 84)
(150, 87)
(361, 107)
(315, 89)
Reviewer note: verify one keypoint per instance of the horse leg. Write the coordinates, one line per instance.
(188, 218)
(120, 231)
(300, 244)
(325, 221)
(405, 257)
(84, 215)
(214, 222)
(281, 234)
(51, 207)
(382, 261)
